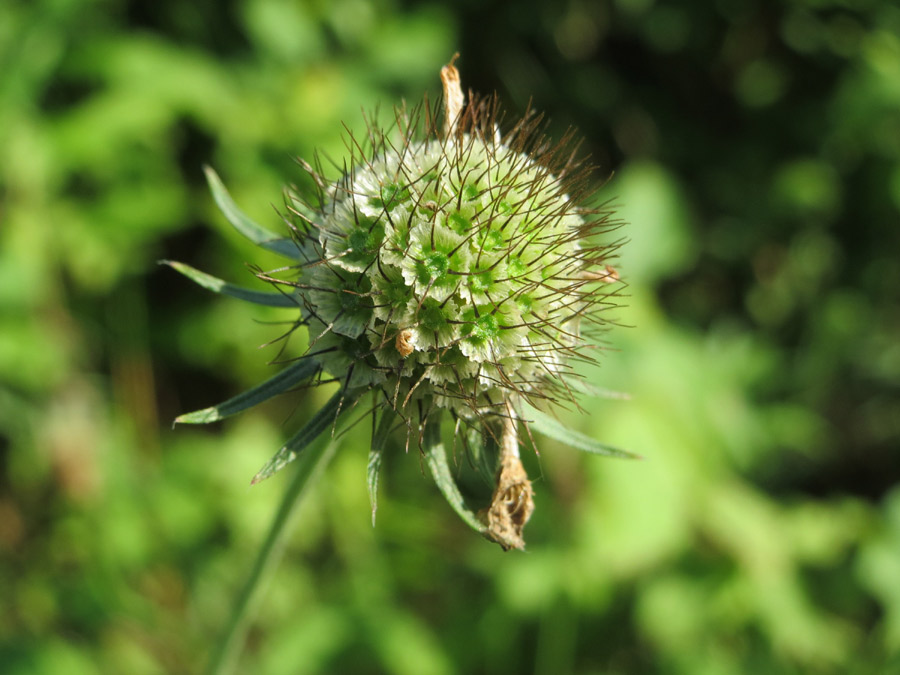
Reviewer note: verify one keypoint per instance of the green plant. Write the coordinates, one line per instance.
(453, 272)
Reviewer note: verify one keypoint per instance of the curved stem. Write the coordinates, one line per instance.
(309, 466)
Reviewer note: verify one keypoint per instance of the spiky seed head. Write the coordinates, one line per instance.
(454, 270)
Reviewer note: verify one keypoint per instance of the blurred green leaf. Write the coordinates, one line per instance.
(660, 231)
(545, 424)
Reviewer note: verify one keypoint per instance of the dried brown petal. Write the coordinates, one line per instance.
(513, 500)
(453, 97)
(403, 342)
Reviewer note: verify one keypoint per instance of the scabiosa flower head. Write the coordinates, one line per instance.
(453, 270)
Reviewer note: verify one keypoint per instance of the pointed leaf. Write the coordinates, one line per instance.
(376, 453)
(320, 422)
(436, 458)
(549, 426)
(243, 224)
(216, 285)
(580, 385)
(287, 378)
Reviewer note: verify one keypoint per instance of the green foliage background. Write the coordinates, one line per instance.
(755, 148)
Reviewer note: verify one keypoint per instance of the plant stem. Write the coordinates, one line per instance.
(309, 466)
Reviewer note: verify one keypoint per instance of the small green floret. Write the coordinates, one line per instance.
(459, 223)
(390, 196)
(433, 269)
(485, 328)
(433, 315)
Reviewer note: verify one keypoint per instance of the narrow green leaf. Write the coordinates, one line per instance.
(287, 378)
(216, 285)
(580, 385)
(436, 458)
(243, 224)
(551, 427)
(320, 422)
(376, 453)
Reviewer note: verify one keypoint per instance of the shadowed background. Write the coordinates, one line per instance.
(754, 149)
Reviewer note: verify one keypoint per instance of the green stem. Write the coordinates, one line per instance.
(309, 465)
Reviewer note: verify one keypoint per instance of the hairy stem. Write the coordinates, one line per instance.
(509, 441)
(309, 465)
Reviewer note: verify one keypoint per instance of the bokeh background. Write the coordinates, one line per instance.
(754, 148)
